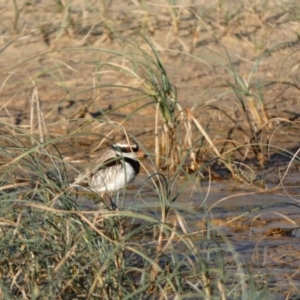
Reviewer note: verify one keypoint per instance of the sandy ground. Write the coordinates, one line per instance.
(68, 66)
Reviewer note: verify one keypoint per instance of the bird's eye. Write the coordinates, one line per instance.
(128, 149)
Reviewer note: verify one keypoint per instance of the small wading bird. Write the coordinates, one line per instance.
(112, 170)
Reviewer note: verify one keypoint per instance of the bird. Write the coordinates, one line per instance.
(112, 170)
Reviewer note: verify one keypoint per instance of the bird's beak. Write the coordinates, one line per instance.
(140, 154)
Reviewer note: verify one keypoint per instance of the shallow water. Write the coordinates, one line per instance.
(259, 223)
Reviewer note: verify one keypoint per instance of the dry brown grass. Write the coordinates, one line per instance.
(208, 83)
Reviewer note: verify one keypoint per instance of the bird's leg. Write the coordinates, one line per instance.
(108, 201)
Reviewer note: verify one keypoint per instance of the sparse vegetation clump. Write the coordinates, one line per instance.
(210, 91)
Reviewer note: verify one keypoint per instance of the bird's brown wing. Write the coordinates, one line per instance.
(105, 159)
(114, 161)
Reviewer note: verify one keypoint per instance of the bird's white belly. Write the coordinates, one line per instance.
(112, 179)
